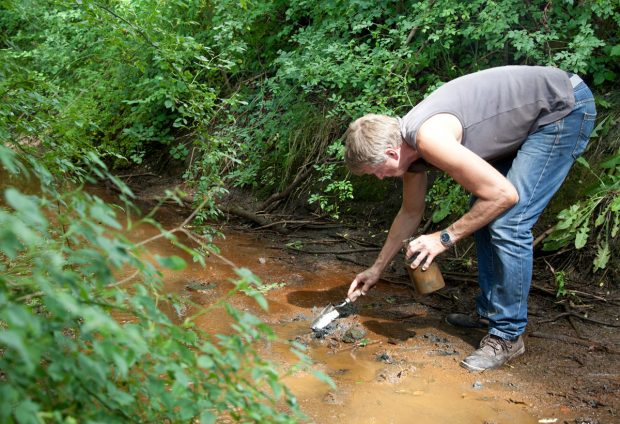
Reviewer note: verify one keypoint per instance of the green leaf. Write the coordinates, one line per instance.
(207, 417)
(175, 263)
(205, 362)
(612, 162)
(602, 256)
(105, 215)
(582, 161)
(324, 378)
(15, 340)
(27, 207)
(581, 238)
(615, 50)
(615, 204)
(26, 412)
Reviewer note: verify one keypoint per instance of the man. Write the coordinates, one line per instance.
(509, 136)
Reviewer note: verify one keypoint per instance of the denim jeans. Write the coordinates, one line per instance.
(504, 246)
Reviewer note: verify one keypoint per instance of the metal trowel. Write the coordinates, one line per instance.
(327, 315)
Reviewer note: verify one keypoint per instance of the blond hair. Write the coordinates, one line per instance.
(366, 140)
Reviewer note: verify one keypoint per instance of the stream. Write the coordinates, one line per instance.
(402, 367)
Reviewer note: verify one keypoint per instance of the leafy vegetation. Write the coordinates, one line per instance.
(598, 213)
(241, 93)
(82, 332)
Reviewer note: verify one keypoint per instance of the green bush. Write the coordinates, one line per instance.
(80, 344)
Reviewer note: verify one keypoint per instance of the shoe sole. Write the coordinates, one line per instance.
(472, 368)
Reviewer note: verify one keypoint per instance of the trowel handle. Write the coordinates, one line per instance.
(346, 302)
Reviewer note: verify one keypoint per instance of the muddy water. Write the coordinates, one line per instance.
(405, 370)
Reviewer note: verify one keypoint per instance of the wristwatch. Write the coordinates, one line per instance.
(446, 239)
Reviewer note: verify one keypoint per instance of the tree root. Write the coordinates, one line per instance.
(250, 216)
(576, 315)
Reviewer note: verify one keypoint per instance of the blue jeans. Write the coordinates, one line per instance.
(504, 246)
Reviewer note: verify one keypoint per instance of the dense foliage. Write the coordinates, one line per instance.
(245, 93)
(82, 332)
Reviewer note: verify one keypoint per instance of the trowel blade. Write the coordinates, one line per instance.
(325, 319)
(327, 315)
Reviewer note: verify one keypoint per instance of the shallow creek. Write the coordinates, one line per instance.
(404, 370)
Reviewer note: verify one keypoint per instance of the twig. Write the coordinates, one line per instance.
(590, 295)
(135, 27)
(284, 222)
(143, 174)
(358, 345)
(572, 321)
(124, 280)
(356, 240)
(543, 236)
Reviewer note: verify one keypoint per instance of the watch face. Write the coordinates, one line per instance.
(444, 237)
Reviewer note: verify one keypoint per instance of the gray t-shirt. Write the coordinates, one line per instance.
(498, 108)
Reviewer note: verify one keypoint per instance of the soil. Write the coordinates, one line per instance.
(393, 357)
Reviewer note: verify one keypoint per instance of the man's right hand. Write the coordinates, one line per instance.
(363, 282)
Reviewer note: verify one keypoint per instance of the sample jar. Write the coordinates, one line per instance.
(428, 281)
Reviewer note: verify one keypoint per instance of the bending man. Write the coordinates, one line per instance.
(509, 136)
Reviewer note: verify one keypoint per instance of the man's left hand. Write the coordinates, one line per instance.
(426, 247)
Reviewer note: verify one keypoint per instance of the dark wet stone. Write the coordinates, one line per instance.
(353, 334)
(300, 317)
(391, 376)
(586, 421)
(319, 334)
(385, 357)
(435, 339)
(333, 399)
(200, 286)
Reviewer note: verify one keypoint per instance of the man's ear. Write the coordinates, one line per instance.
(392, 153)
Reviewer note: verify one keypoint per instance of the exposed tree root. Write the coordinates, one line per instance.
(576, 315)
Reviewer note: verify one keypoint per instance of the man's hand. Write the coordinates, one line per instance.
(363, 282)
(424, 248)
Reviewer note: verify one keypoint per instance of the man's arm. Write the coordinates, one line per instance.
(404, 224)
(439, 143)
